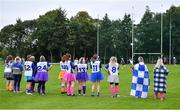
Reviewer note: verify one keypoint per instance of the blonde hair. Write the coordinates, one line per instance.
(159, 63)
(113, 60)
(17, 58)
(140, 59)
(42, 58)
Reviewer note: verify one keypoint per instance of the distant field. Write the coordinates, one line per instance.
(54, 100)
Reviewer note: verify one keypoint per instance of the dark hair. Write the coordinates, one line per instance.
(28, 57)
(95, 56)
(9, 58)
(42, 58)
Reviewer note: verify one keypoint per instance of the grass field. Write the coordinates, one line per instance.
(54, 100)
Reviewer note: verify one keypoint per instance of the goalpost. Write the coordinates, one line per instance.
(142, 53)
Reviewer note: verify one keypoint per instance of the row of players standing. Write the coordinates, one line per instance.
(39, 73)
(68, 78)
(34, 72)
(140, 79)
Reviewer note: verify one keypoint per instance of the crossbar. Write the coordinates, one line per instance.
(147, 53)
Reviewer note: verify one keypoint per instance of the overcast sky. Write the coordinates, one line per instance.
(10, 10)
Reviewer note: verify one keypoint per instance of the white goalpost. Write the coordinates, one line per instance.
(142, 53)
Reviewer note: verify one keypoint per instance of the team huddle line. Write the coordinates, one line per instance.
(37, 72)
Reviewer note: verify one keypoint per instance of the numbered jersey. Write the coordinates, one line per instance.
(69, 67)
(82, 68)
(28, 70)
(95, 66)
(42, 67)
(63, 66)
(8, 67)
(113, 68)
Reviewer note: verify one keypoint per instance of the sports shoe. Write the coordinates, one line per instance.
(72, 94)
(28, 93)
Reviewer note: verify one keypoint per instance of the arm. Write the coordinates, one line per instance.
(49, 67)
(106, 69)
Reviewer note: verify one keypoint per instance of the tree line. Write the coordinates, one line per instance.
(53, 34)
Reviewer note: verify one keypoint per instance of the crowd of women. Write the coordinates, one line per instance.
(70, 72)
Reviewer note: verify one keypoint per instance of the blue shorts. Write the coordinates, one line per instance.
(96, 76)
(28, 78)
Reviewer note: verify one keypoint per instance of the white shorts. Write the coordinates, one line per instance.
(113, 78)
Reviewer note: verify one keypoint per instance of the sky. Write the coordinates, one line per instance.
(11, 10)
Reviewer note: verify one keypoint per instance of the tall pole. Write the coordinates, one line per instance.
(132, 44)
(161, 33)
(170, 38)
(98, 35)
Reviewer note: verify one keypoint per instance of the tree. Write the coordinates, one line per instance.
(4, 53)
(126, 35)
(82, 34)
(52, 32)
(105, 37)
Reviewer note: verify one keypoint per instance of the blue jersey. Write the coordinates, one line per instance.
(18, 65)
(95, 66)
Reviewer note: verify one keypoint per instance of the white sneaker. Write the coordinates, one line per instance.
(28, 93)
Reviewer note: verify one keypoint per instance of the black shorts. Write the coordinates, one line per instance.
(9, 79)
(29, 80)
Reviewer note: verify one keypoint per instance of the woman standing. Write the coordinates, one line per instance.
(113, 71)
(42, 74)
(17, 69)
(140, 80)
(8, 73)
(160, 75)
(96, 74)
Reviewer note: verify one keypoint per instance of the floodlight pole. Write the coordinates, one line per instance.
(98, 35)
(170, 38)
(161, 33)
(132, 44)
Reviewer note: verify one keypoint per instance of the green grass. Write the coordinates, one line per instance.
(54, 100)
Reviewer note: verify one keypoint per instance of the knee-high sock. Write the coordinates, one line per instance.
(112, 89)
(84, 89)
(68, 90)
(72, 90)
(79, 89)
(155, 94)
(162, 95)
(117, 89)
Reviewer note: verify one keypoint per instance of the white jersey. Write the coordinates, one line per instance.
(69, 66)
(8, 67)
(95, 66)
(28, 70)
(82, 68)
(63, 66)
(113, 69)
(42, 67)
